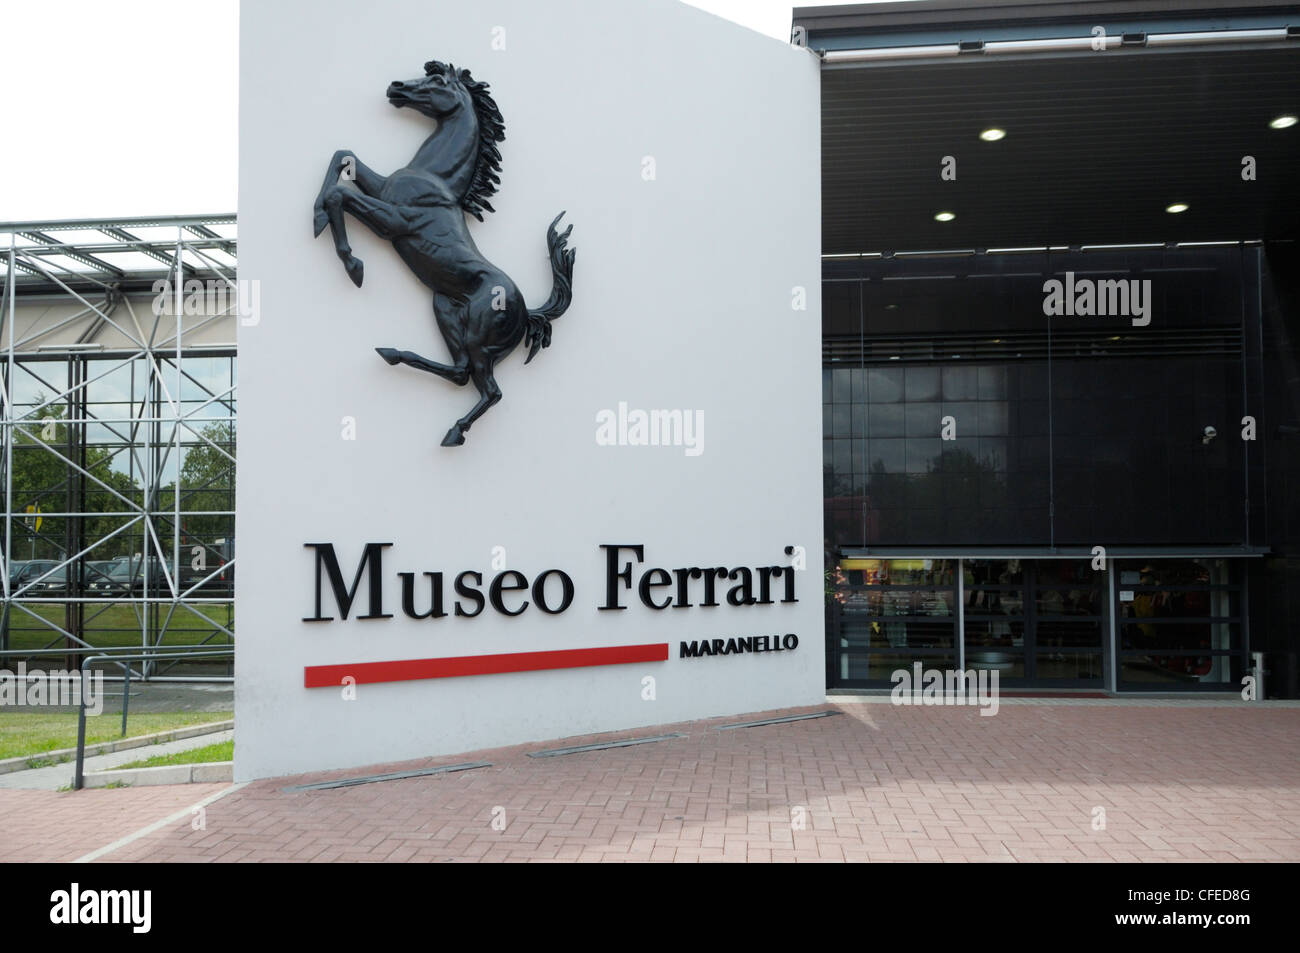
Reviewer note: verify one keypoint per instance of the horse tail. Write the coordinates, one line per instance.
(538, 332)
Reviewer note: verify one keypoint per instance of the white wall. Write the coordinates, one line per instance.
(682, 299)
(40, 324)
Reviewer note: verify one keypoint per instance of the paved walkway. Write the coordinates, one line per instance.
(155, 697)
(876, 782)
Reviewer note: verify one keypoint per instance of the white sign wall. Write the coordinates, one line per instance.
(684, 151)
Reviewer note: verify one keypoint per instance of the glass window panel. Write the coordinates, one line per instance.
(843, 457)
(841, 386)
(992, 383)
(1055, 634)
(1068, 665)
(841, 420)
(923, 419)
(908, 602)
(960, 383)
(1174, 572)
(916, 572)
(858, 384)
(885, 420)
(889, 455)
(1007, 661)
(859, 424)
(1067, 572)
(993, 453)
(1155, 604)
(884, 385)
(923, 454)
(1007, 633)
(922, 383)
(1001, 572)
(880, 667)
(1068, 602)
(1179, 636)
(993, 418)
(994, 602)
(1173, 671)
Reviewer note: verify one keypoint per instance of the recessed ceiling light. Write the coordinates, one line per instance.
(1176, 208)
(944, 216)
(1285, 121)
(993, 134)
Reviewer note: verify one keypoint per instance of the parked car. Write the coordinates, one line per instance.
(26, 572)
(97, 570)
(216, 566)
(127, 573)
(101, 581)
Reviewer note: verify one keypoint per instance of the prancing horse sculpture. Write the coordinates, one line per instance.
(421, 210)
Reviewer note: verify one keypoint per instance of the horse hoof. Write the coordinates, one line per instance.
(319, 223)
(454, 437)
(355, 270)
(389, 354)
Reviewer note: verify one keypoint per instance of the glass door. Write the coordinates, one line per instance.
(891, 614)
(1181, 625)
(1038, 623)
(1067, 636)
(996, 621)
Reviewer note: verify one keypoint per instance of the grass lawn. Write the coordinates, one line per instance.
(118, 623)
(221, 751)
(34, 733)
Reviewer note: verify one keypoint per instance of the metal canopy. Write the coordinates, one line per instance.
(1097, 144)
(81, 271)
(93, 255)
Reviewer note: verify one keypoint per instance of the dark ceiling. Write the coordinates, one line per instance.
(1097, 145)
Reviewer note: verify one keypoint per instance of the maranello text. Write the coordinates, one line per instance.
(552, 591)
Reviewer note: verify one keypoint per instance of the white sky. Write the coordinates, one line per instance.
(130, 107)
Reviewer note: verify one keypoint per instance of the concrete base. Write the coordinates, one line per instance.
(213, 771)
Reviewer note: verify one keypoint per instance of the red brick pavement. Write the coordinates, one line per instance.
(65, 825)
(876, 783)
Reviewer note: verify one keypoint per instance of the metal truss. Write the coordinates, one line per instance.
(93, 268)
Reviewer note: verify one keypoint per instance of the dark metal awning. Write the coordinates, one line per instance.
(1098, 143)
(1047, 552)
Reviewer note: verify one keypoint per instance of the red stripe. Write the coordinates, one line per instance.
(330, 676)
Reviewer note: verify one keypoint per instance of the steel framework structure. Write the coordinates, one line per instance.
(124, 467)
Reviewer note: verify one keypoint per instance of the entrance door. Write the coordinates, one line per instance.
(1036, 622)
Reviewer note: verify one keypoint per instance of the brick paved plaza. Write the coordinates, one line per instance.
(1178, 781)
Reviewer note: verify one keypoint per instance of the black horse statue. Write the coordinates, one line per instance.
(421, 210)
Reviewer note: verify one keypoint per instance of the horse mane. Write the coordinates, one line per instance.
(491, 130)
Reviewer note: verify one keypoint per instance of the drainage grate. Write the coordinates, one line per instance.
(778, 721)
(371, 778)
(556, 752)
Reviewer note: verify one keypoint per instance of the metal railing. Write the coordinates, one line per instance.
(78, 778)
(116, 655)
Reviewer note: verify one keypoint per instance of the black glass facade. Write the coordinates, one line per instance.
(960, 417)
(1061, 430)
